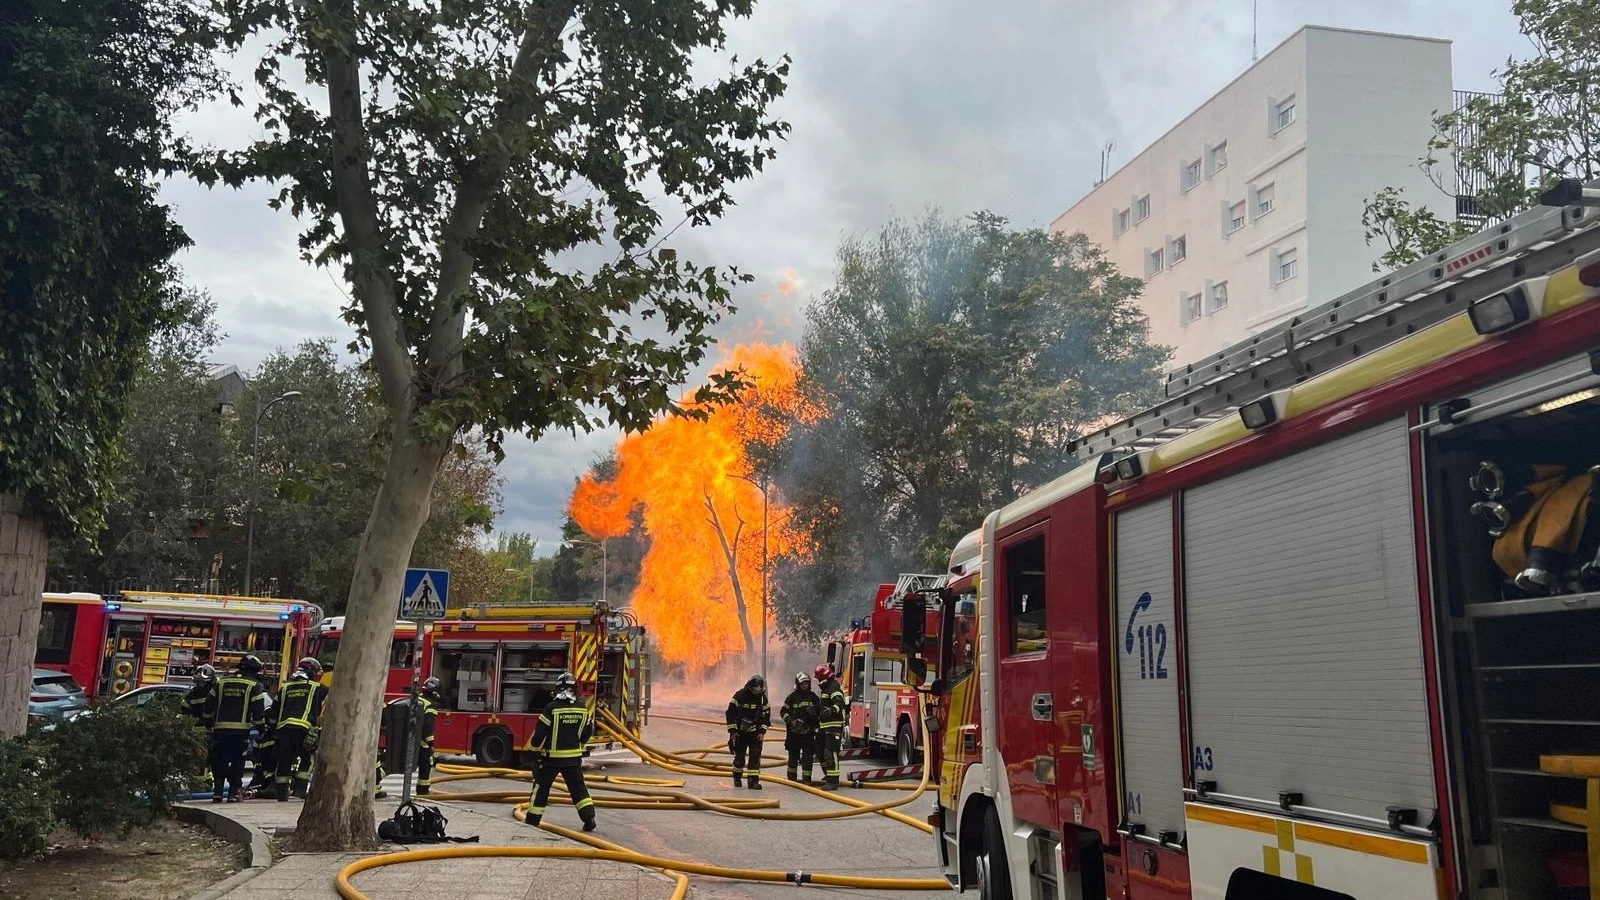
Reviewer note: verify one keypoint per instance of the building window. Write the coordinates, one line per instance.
(1180, 249)
(1141, 208)
(1191, 174)
(1154, 263)
(1219, 296)
(1288, 265)
(1219, 157)
(1236, 216)
(1025, 596)
(1191, 309)
(1282, 114)
(1120, 221)
(1266, 195)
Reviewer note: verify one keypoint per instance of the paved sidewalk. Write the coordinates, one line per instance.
(310, 876)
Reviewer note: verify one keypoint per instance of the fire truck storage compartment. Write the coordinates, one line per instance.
(464, 673)
(528, 672)
(1522, 665)
(1302, 631)
(1147, 683)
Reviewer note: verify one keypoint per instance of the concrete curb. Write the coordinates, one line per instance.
(248, 836)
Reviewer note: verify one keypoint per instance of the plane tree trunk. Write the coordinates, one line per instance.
(23, 549)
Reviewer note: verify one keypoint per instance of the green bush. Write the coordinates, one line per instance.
(123, 766)
(27, 799)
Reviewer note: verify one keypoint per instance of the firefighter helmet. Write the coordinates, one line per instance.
(310, 665)
(300, 675)
(757, 684)
(431, 686)
(801, 679)
(250, 665)
(205, 674)
(566, 681)
(823, 672)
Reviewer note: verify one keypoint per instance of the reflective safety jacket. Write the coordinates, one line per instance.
(831, 714)
(237, 702)
(197, 702)
(799, 711)
(300, 704)
(563, 730)
(749, 712)
(429, 714)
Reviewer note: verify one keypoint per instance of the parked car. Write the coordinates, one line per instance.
(55, 697)
(137, 697)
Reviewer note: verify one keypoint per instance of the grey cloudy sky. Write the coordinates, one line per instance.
(896, 105)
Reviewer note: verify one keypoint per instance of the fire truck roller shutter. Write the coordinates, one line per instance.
(1303, 642)
(1147, 670)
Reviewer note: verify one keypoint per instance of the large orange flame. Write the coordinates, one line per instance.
(698, 497)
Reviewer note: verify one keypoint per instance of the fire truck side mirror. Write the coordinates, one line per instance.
(833, 653)
(913, 619)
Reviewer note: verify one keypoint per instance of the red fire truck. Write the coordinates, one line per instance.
(397, 684)
(497, 669)
(116, 643)
(883, 707)
(1319, 625)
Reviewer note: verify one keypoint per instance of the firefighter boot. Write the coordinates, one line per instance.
(831, 782)
(806, 778)
(755, 783)
(791, 774)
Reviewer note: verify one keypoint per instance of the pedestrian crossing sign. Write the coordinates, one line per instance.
(426, 594)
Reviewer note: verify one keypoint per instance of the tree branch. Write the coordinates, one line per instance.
(482, 180)
(330, 27)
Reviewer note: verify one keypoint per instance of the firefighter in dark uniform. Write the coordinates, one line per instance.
(830, 724)
(558, 740)
(199, 696)
(799, 714)
(264, 751)
(299, 716)
(428, 714)
(749, 716)
(237, 703)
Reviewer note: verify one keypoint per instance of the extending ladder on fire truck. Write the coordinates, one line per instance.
(1362, 321)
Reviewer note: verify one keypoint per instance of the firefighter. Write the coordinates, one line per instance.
(749, 716)
(264, 751)
(799, 714)
(299, 715)
(558, 741)
(429, 712)
(196, 700)
(237, 703)
(830, 724)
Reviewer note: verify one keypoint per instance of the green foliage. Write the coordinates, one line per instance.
(471, 144)
(27, 799)
(87, 93)
(123, 766)
(955, 360)
(1409, 232)
(1542, 125)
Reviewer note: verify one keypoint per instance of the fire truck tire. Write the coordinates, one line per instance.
(905, 747)
(994, 876)
(495, 749)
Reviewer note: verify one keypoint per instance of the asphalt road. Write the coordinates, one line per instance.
(862, 845)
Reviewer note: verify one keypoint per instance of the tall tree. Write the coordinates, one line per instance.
(1542, 125)
(87, 93)
(955, 361)
(459, 154)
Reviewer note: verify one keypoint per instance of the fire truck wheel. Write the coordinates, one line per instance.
(905, 746)
(994, 877)
(494, 749)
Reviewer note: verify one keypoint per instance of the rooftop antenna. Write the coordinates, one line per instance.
(1254, 57)
(1105, 162)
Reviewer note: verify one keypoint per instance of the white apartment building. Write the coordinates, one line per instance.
(1249, 210)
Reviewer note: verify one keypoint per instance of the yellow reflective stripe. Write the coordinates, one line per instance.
(585, 802)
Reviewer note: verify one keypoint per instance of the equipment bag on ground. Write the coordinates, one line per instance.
(417, 824)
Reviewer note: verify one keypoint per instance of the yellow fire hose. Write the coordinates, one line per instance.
(661, 796)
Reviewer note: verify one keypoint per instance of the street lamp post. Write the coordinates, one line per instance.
(528, 571)
(255, 468)
(605, 566)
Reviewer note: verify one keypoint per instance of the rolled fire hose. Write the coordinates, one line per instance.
(678, 869)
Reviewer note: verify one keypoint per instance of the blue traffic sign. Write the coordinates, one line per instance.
(426, 594)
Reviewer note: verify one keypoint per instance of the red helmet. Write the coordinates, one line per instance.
(823, 672)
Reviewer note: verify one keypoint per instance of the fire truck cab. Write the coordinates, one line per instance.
(497, 669)
(1320, 625)
(883, 704)
(116, 643)
(397, 681)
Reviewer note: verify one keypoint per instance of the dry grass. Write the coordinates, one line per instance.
(168, 861)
